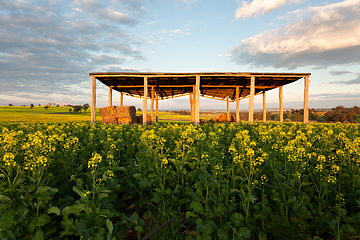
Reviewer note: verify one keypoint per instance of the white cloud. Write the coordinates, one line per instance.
(188, 3)
(123, 12)
(336, 73)
(329, 35)
(46, 49)
(260, 7)
(349, 82)
(175, 32)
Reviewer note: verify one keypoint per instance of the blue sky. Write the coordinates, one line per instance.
(48, 48)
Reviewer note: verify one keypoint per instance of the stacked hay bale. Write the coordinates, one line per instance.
(125, 114)
(112, 114)
(107, 115)
(223, 118)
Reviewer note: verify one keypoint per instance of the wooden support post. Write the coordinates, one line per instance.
(157, 108)
(251, 99)
(281, 105)
(237, 105)
(93, 99)
(145, 100)
(191, 97)
(227, 109)
(197, 100)
(306, 100)
(121, 99)
(264, 107)
(193, 103)
(110, 96)
(152, 105)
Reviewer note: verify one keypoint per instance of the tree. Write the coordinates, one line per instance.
(139, 109)
(85, 107)
(297, 117)
(356, 109)
(273, 117)
(11, 105)
(77, 108)
(287, 114)
(257, 116)
(341, 114)
(46, 107)
(313, 115)
(31, 105)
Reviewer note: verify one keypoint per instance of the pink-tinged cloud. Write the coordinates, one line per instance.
(328, 35)
(260, 7)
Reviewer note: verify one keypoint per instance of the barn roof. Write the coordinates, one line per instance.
(216, 85)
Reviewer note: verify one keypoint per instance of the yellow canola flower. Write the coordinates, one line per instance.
(218, 168)
(335, 169)
(331, 179)
(164, 162)
(33, 164)
(8, 159)
(95, 160)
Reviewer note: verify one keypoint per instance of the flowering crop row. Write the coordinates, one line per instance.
(223, 181)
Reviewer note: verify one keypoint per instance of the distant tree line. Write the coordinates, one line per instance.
(342, 114)
(338, 114)
(181, 112)
(78, 108)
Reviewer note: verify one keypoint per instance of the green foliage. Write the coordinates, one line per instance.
(222, 181)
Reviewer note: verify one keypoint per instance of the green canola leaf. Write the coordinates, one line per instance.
(137, 175)
(102, 196)
(78, 191)
(245, 232)
(207, 229)
(39, 235)
(196, 206)
(109, 226)
(74, 209)
(4, 198)
(42, 220)
(190, 214)
(55, 210)
(222, 234)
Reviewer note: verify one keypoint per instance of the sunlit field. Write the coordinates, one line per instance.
(62, 114)
(40, 114)
(222, 181)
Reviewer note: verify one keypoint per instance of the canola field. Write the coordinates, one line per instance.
(222, 181)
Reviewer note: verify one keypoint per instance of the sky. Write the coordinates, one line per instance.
(49, 47)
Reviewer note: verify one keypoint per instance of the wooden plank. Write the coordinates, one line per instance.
(110, 96)
(203, 86)
(145, 101)
(306, 100)
(281, 105)
(264, 107)
(237, 105)
(121, 99)
(251, 100)
(188, 75)
(197, 100)
(93, 99)
(152, 105)
(227, 93)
